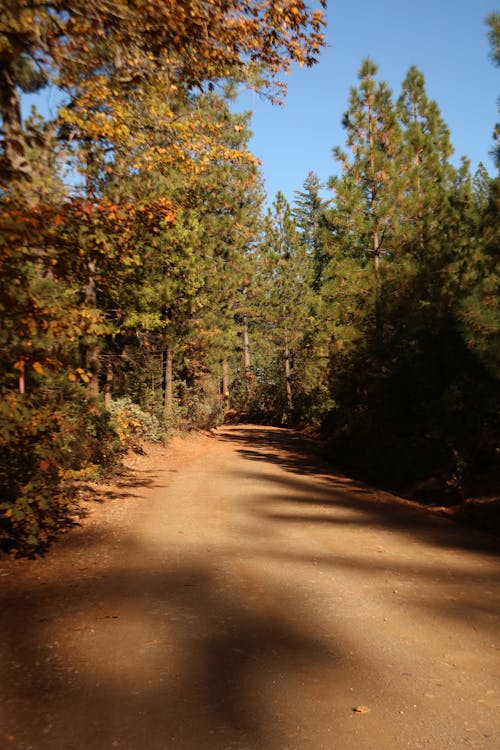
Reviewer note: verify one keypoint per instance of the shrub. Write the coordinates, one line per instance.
(34, 497)
(47, 444)
(132, 424)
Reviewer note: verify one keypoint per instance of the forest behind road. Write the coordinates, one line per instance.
(230, 592)
(170, 579)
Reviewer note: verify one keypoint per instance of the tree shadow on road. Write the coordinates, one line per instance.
(297, 456)
(184, 654)
(148, 658)
(454, 585)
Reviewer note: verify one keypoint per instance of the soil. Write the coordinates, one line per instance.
(231, 592)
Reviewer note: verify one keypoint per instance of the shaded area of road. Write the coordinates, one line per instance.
(296, 455)
(246, 598)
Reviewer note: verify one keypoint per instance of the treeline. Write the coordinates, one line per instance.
(145, 287)
(380, 321)
(127, 224)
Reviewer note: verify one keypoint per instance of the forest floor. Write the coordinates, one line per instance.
(231, 592)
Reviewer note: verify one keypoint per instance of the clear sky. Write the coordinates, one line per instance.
(445, 39)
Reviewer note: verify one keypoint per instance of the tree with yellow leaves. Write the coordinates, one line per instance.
(103, 53)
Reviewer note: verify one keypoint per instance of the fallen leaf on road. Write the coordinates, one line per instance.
(361, 710)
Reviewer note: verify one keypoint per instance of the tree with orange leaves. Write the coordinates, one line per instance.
(100, 52)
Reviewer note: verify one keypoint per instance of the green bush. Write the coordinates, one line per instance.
(132, 424)
(46, 444)
(34, 497)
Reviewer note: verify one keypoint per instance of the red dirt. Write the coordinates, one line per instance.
(232, 593)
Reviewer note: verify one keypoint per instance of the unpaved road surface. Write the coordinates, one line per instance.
(232, 594)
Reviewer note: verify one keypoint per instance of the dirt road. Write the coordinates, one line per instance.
(233, 594)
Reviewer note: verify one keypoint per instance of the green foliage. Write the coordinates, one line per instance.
(157, 295)
(417, 395)
(29, 473)
(27, 76)
(48, 440)
(284, 277)
(429, 404)
(493, 22)
(309, 212)
(120, 294)
(133, 425)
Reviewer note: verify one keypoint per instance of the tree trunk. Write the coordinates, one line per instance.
(376, 235)
(225, 386)
(288, 384)
(92, 359)
(91, 344)
(420, 212)
(12, 126)
(378, 284)
(108, 387)
(246, 358)
(168, 399)
(22, 377)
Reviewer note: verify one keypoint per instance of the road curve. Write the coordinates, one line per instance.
(240, 596)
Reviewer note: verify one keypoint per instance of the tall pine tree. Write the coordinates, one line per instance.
(366, 195)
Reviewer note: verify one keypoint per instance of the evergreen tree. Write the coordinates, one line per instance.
(366, 196)
(182, 293)
(437, 216)
(402, 400)
(482, 187)
(425, 164)
(309, 214)
(493, 22)
(286, 304)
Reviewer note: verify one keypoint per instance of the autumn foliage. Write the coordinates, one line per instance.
(145, 289)
(106, 276)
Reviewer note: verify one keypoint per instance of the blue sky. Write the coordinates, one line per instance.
(445, 39)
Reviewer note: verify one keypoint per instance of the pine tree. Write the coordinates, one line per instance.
(309, 214)
(366, 197)
(405, 403)
(182, 293)
(482, 187)
(287, 272)
(427, 173)
(493, 22)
